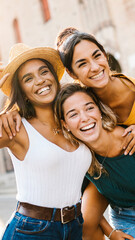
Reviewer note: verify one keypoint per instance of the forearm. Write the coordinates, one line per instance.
(105, 226)
(93, 233)
(93, 207)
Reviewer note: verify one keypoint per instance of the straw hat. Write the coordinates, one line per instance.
(20, 53)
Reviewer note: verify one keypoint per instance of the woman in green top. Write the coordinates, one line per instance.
(81, 114)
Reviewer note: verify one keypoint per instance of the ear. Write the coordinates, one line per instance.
(72, 75)
(64, 125)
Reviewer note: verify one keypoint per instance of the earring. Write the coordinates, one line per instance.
(27, 100)
(68, 130)
(101, 117)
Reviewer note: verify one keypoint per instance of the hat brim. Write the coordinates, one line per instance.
(46, 53)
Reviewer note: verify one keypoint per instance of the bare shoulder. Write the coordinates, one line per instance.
(118, 131)
(128, 82)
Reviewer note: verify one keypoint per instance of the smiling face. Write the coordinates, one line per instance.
(82, 117)
(37, 82)
(90, 65)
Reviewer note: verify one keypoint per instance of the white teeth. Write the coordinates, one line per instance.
(43, 89)
(88, 127)
(98, 75)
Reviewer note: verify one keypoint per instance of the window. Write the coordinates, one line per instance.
(46, 11)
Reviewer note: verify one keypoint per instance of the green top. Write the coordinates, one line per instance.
(118, 186)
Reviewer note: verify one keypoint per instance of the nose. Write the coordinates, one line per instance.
(84, 117)
(39, 80)
(94, 66)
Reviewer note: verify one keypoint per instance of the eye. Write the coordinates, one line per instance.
(97, 55)
(82, 64)
(44, 72)
(89, 108)
(28, 79)
(73, 115)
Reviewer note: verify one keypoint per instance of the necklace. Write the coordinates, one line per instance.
(101, 165)
(55, 131)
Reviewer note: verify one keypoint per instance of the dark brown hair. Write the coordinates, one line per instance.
(64, 34)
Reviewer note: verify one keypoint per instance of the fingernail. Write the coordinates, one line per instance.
(10, 137)
(14, 134)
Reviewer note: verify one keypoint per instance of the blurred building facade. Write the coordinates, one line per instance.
(37, 22)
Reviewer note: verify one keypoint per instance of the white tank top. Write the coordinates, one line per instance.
(50, 176)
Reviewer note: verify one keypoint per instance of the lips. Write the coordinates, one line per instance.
(98, 75)
(88, 127)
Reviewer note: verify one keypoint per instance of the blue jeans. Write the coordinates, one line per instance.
(123, 219)
(24, 228)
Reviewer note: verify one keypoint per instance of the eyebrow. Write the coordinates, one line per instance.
(28, 74)
(72, 110)
(83, 59)
(42, 67)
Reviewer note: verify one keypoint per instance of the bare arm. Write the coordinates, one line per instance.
(5, 141)
(9, 121)
(93, 207)
(116, 235)
(95, 225)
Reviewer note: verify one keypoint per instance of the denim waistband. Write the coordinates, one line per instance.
(123, 208)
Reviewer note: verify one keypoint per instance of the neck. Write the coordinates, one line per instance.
(109, 144)
(100, 146)
(105, 93)
(46, 115)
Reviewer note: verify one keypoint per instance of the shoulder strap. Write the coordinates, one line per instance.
(122, 77)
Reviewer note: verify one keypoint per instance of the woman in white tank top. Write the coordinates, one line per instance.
(49, 169)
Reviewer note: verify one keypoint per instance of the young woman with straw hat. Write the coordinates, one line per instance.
(82, 115)
(49, 169)
(86, 61)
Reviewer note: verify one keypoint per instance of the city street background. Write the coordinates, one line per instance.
(39, 26)
(7, 198)
(7, 206)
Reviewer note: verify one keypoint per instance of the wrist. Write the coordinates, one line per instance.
(109, 237)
